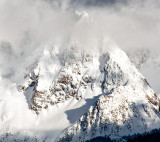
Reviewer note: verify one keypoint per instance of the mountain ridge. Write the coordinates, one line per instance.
(94, 75)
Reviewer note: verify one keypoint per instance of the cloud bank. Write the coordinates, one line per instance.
(28, 24)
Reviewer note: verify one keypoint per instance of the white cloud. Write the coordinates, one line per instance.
(28, 24)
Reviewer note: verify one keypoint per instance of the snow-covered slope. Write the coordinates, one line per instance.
(127, 105)
(126, 111)
(97, 93)
(15, 117)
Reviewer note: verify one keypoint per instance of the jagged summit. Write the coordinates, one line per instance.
(122, 102)
(60, 75)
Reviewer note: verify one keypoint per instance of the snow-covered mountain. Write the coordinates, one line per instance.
(79, 94)
(127, 104)
(78, 88)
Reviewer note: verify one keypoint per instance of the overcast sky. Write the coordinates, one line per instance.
(28, 24)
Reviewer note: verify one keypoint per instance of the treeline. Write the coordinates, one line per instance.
(100, 139)
(153, 136)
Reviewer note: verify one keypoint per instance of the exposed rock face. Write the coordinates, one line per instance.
(72, 79)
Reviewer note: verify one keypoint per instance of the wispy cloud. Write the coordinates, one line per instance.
(27, 24)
